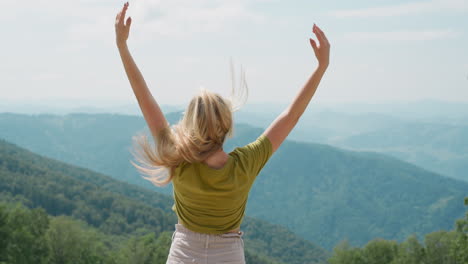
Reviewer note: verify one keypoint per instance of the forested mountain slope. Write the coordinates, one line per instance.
(442, 148)
(117, 208)
(320, 192)
(430, 139)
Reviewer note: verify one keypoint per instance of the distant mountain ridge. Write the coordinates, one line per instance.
(323, 193)
(439, 147)
(437, 143)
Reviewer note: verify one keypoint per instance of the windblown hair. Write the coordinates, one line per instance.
(204, 127)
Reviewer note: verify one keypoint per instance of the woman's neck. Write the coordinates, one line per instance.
(217, 160)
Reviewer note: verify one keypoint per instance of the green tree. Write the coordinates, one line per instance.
(343, 253)
(380, 251)
(139, 250)
(460, 246)
(410, 252)
(26, 242)
(72, 242)
(163, 244)
(4, 232)
(447, 247)
(439, 245)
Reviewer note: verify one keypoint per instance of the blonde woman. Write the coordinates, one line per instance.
(210, 186)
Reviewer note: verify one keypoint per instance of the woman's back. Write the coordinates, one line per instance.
(213, 201)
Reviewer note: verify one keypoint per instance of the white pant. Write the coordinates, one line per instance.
(192, 247)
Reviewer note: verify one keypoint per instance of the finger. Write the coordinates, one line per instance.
(129, 22)
(124, 11)
(317, 33)
(313, 44)
(117, 18)
(322, 34)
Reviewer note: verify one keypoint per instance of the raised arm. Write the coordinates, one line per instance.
(285, 122)
(149, 107)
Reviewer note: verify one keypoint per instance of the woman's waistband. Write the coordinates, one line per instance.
(182, 231)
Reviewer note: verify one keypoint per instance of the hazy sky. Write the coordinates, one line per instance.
(381, 49)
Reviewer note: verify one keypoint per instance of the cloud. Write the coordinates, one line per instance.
(400, 36)
(156, 18)
(85, 21)
(410, 8)
(183, 17)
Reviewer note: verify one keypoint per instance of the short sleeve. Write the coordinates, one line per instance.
(255, 155)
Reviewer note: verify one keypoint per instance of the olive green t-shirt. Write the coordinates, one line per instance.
(213, 201)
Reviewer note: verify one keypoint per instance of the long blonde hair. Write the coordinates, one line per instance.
(204, 127)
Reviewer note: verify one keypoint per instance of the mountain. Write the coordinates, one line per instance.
(61, 107)
(433, 111)
(432, 141)
(118, 208)
(99, 142)
(323, 193)
(324, 125)
(336, 194)
(437, 147)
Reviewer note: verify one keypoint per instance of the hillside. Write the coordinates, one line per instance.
(335, 194)
(427, 139)
(117, 208)
(320, 192)
(324, 125)
(439, 147)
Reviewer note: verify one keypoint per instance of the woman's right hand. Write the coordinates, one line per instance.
(122, 30)
(322, 52)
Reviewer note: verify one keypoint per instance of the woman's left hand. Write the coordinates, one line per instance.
(122, 30)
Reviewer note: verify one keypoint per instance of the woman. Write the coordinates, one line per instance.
(210, 186)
